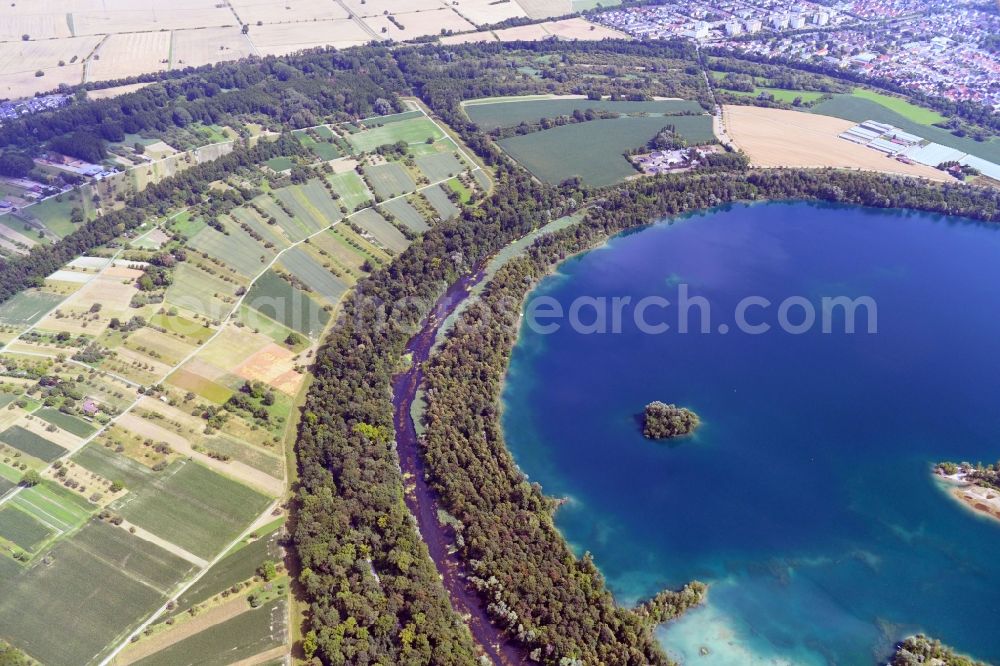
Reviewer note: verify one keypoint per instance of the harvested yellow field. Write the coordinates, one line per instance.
(207, 46)
(26, 84)
(283, 38)
(488, 12)
(121, 56)
(537, 9)
(781, 138)
(94, 17)
(21, 56)
(111, 292)
(578, 28)
(420, 23)
(469, 38)
(380, 7)
(40, 19)
(115, 91)
(287, 11)
(527, 33)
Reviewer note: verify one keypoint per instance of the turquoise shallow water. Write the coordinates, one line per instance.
(805, 499)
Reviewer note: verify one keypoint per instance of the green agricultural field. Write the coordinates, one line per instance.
(21, 529)
(325, 151)
(379, 121)
(858, 109)
(439, 166)
(270, 233)
(192, 506)
(441, 203)
(324, 283)
(294, 229)
(413, 130)
(387, 235)
(464, 193)
(594, 150)
(27, 307)
(179, 325)
(780, 94)
(265, 325)
(101, 460)
(323, 132)
(407, 214)
(482, 179)
(55, 212)
(241, 637)
(187, 225)
(917, 114)
(195, 289)
(312, 204)
(268, 463)
(235, 248)
(140, 559)
(5, 485)
(274, 297)
(206, 388)
(390, 180)
(279, 163)
(490, 116)
(31, 443)
(78, 595)
(351, 189)
(54, 506)
(239, 565)
(67, 422)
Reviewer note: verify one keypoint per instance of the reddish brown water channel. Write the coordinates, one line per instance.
(422, 501)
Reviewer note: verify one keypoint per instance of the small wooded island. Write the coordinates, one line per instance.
(663, 421)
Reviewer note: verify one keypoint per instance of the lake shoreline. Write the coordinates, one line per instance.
(980, 499)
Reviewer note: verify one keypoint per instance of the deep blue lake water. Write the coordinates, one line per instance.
(805, 499)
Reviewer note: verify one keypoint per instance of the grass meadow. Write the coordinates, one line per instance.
(490, 116)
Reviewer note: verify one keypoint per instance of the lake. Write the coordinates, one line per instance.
(805, 499)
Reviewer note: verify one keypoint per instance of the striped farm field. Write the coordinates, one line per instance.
(67, 422)
(206, 388)
(276, 298)
(191, 506)
(381, 230)
(197, 290)
(439, 166)
(28, 307)
(294, 229)
(234, 247)
(407, 214)
(90, 599)
(270, 233)
(22, 529)
(390, 180)
(31, 443)
(323, 283)
(351, 188)
(440, 201)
